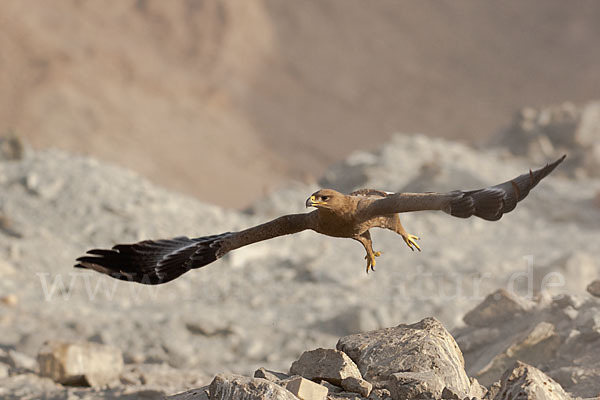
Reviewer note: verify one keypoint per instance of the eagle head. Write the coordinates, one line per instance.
(325, 198)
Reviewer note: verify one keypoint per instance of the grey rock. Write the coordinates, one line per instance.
(497, 307)
(594, 288)
(12, 148)
(535, 346)
(4, 370)
(11, 229)
(478, 337)
(425, 347)
(270, 375)
(477, 391)
(90, 364)
(47, 189)
(22, 361)
(588, 323)
(524, 382)
(331, 387)
(326, 364)
(493, 390)
(209, 324)
(356, 385)
(380, 394)
(236, 387)
(448, 394)
(415, 385)
(306, 390)
(567, 300)
(193, 394)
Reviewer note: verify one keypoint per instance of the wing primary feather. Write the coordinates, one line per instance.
(154, 261)
(493, 202)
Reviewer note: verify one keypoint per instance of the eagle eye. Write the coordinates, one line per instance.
(324, 198)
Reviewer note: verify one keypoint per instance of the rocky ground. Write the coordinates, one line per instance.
(264, 305)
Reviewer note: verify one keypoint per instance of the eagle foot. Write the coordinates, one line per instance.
(410, 241)
(371, 260)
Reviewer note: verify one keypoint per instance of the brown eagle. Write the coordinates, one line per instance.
(348, 216)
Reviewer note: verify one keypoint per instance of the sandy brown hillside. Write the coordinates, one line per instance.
(218, 99)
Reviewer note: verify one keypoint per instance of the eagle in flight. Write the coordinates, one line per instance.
(351, 216)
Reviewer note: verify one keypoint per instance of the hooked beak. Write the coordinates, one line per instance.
(310, 202)
(313, 202)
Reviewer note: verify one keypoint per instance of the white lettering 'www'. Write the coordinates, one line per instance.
(102, 287)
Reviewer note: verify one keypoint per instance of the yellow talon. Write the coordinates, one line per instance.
(410, 241)
(371, 261)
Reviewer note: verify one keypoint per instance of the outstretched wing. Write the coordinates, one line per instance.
(488, 203)
(153, 262)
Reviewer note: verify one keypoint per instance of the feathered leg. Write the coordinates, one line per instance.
(365, 240)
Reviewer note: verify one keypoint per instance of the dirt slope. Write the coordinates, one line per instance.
(144, 84)
(224, 100)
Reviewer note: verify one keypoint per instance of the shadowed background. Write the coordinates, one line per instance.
(226, 100)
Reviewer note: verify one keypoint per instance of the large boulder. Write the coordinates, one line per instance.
(417, 359)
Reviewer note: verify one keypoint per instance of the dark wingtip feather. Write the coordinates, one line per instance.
(493, 202)
(539, 174)
(153, 262)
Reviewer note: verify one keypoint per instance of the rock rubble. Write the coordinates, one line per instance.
(418, 361)
(395, 353)
(559, 334)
